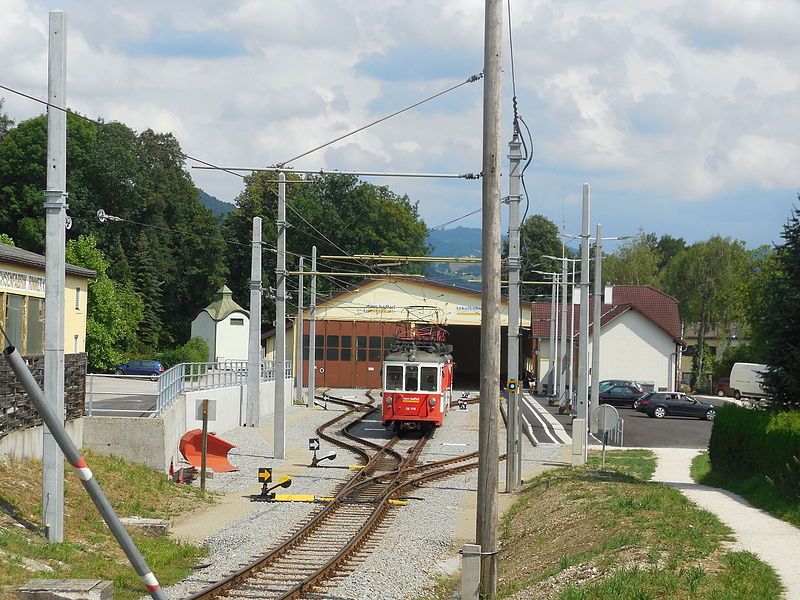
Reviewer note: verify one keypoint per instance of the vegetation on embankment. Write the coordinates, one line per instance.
(89, 547)
(586, 534)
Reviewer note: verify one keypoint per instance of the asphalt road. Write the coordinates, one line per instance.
(120, 395)
(547, 426)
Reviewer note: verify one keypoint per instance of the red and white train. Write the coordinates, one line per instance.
(417, 378)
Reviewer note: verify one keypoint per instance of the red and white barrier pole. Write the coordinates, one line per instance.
(72, 455)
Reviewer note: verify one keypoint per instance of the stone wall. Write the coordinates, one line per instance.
(16, 410)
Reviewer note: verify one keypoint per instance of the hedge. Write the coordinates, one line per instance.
(746, 442)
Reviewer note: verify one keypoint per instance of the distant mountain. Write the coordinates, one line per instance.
(459, 241)
(215, 205)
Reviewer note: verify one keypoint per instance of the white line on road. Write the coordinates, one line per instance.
(542, 413)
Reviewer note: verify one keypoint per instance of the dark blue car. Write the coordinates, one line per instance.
(152, 368)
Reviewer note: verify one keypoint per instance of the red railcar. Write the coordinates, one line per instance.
(417, 378)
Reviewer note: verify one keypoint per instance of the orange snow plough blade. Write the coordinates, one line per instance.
(191, 446)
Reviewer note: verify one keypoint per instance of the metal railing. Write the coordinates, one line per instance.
(182, 378)
(616, 435)
(94, 395)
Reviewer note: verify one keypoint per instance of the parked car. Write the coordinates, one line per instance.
(723, 387)
(153, 368)
(620, 392)
(675, 404)
(746, 380)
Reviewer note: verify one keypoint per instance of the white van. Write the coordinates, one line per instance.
(746, 380)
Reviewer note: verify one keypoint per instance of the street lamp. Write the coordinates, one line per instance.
(565, 401)
(553, 350)
(598, 291)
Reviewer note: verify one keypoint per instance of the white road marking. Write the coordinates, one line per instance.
(543, 415)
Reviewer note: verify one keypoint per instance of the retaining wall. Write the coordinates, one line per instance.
(153, 442)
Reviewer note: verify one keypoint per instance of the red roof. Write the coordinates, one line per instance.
(658, 307)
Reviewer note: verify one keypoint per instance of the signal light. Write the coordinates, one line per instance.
(512, 385)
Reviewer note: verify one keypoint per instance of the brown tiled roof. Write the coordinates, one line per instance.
(658, 307)
(16, 255)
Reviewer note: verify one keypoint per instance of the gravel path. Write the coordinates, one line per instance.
(421, 543)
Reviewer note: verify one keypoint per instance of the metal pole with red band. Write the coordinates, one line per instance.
(72, 455)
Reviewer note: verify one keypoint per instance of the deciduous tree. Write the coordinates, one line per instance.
(706, 279)
(114, 308)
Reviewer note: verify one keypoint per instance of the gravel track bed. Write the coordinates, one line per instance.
(419, 540)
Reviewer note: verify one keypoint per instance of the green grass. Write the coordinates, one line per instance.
(589, 533)
(89, 551)
(743, 577)
(758, 491)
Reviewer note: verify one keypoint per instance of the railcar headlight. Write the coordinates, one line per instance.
(432, 401)
(388, 399)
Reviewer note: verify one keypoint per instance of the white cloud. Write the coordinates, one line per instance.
(690, 99)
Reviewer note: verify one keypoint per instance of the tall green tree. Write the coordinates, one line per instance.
(706, 278)
(114, 308)
(777, 327)
(634, 263)
(6, 122)
(138, 177)
(667, 247)
(539, 238)
(337, 213)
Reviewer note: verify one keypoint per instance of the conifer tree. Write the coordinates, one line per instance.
(778, 325)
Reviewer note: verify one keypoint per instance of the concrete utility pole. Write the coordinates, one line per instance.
(579, 433)
(486, 525)
(55, 208)
(280, 326)
(563, 399)
(298, 349)
(513, 448)
(572, 338)
(557, 365)
(551, 373)
(253, 412)
(598, 300)
(312, 330)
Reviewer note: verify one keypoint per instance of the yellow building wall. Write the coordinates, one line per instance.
(397, 300)
(28, 282)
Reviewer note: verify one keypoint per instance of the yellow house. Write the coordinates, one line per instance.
(22, 291)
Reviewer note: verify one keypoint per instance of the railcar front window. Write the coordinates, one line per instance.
(412, 379)
(429, 379)
(394, 377)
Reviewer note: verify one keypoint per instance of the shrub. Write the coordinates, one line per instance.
(195, 350)
(745, 443)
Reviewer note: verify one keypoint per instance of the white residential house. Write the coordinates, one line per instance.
(225, 326)
(640, 338)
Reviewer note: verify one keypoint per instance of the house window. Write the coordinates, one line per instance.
(237, 322)
(77, 298)
(34, 341)
(75, 344)
(15, 305)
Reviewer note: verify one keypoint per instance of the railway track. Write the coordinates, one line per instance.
(336, 536)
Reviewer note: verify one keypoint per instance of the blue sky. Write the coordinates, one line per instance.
(682, 115)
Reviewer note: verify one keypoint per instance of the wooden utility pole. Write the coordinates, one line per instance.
(486, 526)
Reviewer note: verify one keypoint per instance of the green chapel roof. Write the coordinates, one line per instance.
(223, 305)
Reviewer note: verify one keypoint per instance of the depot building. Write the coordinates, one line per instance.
(640, 333)
(357, 326)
